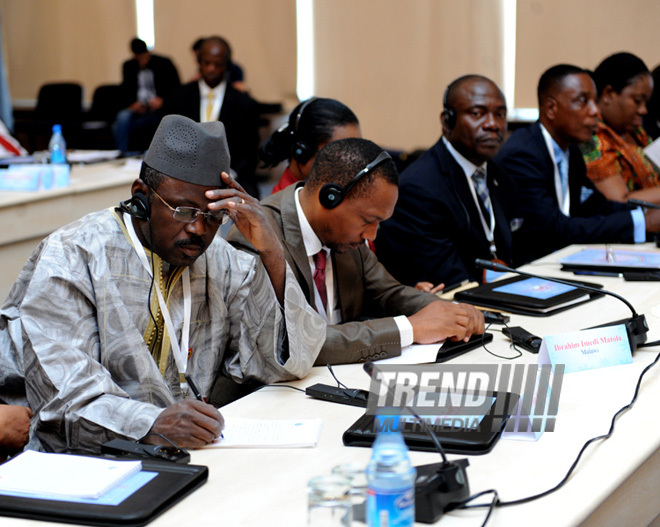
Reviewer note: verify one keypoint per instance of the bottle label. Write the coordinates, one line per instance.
(390, 508)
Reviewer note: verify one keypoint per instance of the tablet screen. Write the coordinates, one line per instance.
(535, 288)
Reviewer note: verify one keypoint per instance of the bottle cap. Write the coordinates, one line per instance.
(57, 128)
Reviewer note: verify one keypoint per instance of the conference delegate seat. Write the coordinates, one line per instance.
(57, 103)
(96, 129)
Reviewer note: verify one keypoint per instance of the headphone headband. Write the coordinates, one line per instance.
(299, 115)
(332, 194)
(383, 156)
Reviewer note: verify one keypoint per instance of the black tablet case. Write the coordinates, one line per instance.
(173, 483)
(482, 441)
(484, 295)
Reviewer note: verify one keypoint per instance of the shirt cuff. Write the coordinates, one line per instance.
(639, 224)
(405, 330)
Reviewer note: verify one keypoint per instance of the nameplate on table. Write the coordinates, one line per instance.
(588, 349)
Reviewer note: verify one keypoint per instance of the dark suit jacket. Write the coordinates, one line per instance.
(592, 219)
(166, 78)
(239, 115)
(365, 290)
(435, 233)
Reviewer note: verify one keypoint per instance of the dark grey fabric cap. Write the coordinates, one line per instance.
(190, 151)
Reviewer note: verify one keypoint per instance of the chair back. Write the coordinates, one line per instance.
(60, 103)
(106, 103)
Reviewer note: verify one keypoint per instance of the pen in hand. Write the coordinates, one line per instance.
(194, 389)
(197, 394)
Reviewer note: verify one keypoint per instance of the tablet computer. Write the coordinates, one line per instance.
(529, 296)
(477, 434)
(451, 349)
(614, 261)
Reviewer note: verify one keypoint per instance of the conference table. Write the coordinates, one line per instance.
(616, 482)
(28, 217)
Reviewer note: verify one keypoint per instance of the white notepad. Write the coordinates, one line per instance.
(261, 433)
(64, 475)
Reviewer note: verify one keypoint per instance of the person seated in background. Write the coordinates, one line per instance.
(311, 125)
(651, 121)
(212, 98)
(559, 203)
(111, 311)
(614, 155)
(14, 429)
(235, 75)
(455, 204)
(324, 223)
(148, 80)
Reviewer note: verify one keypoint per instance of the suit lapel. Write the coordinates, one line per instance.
(574, 183)
(346, 266)
(293, 238)
(449, 166)
(547, 160)
(502, 229)
(227, 104)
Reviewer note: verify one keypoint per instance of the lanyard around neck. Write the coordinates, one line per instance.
(179, 350)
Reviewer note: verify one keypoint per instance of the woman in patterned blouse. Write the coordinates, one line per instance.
(615, 158)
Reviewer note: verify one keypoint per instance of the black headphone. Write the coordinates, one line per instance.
(301, 151)
(137, 206)
(332, 194)
(450, 112)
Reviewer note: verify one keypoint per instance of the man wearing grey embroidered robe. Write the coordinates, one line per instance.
(90, 350)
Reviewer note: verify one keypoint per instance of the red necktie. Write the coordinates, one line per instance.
(319, 276)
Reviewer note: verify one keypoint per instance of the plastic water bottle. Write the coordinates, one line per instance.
(57, 145)
(391, 482)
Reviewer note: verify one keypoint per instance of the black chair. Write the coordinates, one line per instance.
(60, 103)
(57, 103)
(96, 129)
(106, 103)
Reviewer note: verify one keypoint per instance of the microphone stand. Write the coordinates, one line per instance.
(439, 487)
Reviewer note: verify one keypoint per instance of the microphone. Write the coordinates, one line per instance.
(645, 204)
(636, 326)
(439, 487)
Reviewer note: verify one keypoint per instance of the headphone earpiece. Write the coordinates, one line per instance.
(137, 206)
(301, 152)
(450, 117)
(332, 194)
(450, 112)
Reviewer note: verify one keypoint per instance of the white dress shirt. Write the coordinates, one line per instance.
(218, 97)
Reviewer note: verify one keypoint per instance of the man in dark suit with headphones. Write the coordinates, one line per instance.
(324, 224)
(212, 98)
(445, 218)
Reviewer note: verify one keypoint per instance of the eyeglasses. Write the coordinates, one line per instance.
(190, 214)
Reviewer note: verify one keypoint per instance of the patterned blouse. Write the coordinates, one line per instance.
(608, 155)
